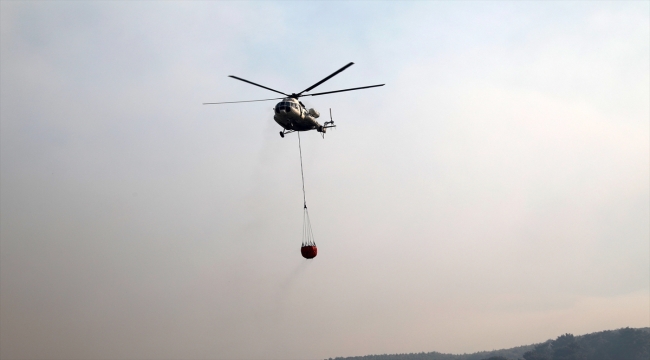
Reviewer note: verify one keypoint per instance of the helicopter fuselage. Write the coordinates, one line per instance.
(291, 114)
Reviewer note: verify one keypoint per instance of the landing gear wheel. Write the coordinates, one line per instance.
(281, 134)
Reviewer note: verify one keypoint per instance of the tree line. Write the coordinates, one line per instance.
(621, 344)
(628, 344)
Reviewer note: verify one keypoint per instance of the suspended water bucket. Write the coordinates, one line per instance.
(308, 248)
(309, 251)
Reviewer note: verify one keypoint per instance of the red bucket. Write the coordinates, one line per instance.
(309, 251)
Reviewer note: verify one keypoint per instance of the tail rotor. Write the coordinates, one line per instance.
(331, 122)
(328, 124)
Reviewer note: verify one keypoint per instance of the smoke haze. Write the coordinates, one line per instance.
(494, 193)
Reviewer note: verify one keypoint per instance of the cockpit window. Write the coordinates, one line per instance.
(285, 105)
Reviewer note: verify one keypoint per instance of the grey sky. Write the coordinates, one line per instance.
(494, 193)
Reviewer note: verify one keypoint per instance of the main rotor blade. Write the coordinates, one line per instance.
(252, 83)
(336, 91)
(234, 102)
(327, 78)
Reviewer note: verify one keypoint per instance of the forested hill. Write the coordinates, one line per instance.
(621, 344)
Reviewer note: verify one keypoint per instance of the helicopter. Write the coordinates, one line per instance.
(291, 113)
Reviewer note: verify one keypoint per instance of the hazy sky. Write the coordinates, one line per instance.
(494, 193)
